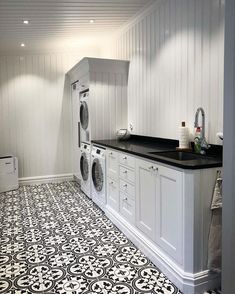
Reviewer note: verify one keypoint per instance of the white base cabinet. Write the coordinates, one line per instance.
(159, 205)
(146, 189)
(165, 211)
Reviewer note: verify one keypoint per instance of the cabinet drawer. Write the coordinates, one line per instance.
(6, 165)
(127, 207)
(112, 164)
(112, 194)
(126, 160)
(127, 174)
(127, 188)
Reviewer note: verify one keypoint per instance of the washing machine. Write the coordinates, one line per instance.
(98, 176)
(85, 168)
(84, 116)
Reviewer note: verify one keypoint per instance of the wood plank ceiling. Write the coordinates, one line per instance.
(55, 23)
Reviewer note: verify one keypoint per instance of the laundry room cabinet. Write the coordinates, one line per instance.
(165, 211)
(104, 81)
(159, 202)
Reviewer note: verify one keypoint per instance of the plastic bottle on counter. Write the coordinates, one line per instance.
(197, 140)
(183, 136)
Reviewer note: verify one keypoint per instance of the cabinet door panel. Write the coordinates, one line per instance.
(127, 207)
(146, 198)
(169, 219)
(112, 194)
(112, 164)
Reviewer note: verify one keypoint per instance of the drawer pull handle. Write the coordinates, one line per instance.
(111, 153)
(151, 167)
(7, 162)
(125, 172)
(125, 199)
(125, 185)
(124, 158)
(155, 168)
(111, 183)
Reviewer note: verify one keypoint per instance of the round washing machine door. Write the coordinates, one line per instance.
(97, 175)
(84, 166)
(84, 115)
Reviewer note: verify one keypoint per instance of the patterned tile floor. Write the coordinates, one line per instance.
(53, 239)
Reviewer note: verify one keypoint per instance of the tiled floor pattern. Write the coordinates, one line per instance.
(53, 239)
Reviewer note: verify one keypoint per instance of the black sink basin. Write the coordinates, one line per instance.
(180, 155)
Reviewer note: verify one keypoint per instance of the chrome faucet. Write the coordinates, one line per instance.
(203, 143)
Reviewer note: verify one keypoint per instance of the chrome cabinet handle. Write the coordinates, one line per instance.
(155, 168)
(125, 185)
(124, 157)
(110, 153)
(111, 183)
(125, 199)
(125, 172)
(151, 167)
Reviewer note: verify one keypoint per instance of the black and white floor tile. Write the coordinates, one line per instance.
(53, 239)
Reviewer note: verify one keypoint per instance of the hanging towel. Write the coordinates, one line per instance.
(215, 234)
(217, 194)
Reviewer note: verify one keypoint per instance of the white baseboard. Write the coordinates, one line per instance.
(76, 179)
(46, 179)
(188, 283)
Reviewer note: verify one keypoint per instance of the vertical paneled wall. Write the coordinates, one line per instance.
(176, 53)
(35, 112)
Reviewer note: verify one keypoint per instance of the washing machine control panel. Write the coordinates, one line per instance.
(98, 152)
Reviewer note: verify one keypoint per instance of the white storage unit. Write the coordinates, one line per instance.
(106, 81)
(166, 212)
(8, 173)
(76, 131)
(121, 184)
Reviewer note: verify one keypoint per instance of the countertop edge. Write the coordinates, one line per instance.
(161, 160)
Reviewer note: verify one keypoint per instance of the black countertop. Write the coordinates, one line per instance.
(143, 146)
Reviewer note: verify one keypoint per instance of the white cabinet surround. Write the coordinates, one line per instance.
(165, 211)
(107, 81)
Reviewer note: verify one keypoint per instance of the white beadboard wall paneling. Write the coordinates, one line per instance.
(35, 111)
(176, 53)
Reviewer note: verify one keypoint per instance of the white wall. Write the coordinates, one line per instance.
(176, 53)
(35, 111)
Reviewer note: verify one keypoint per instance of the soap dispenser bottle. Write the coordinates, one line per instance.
(197, 140)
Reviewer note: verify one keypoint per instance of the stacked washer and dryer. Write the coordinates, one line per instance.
(102, 111)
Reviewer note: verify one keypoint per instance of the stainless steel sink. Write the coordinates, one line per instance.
(180, 155)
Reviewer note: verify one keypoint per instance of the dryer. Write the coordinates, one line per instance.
(85, 164)
(84, 113)
(98, 176)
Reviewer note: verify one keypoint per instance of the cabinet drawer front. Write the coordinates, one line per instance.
(112, 164)
(127, 160)
(6, 165)
(127, 188)
(127, 207)
(127, 174)
(112, 194)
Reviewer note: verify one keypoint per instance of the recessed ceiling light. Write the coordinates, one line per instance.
(92, 21)
(22, 45)
(25, 21)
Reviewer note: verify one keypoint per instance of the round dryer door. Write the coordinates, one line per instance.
(84, 115)
(97, 175)
(84, 167)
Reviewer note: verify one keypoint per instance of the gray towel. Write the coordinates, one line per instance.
(215, 235)
(217, 194)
